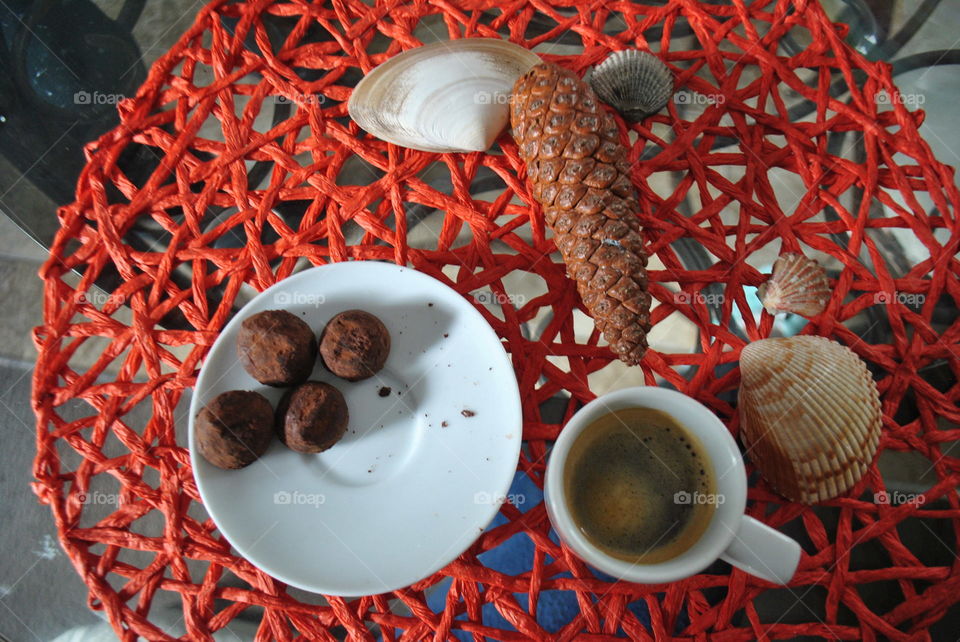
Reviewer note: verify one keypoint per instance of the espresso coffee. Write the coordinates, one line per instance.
(639, 486)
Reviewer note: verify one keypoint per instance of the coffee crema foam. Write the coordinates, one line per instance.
(626, 478)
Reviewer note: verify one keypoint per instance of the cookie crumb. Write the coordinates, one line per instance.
(384, 391)
(446, 334)
(467, 413)
(444, 424)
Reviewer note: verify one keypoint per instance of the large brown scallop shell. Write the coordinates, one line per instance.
(797, 285)
(810, 415)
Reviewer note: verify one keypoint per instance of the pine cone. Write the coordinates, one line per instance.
(579, 172)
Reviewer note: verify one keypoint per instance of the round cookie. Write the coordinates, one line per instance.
(312, 417)
(234, 429)
(354, 345)
(277, 348)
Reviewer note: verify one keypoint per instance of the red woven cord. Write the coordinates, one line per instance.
(88, 435)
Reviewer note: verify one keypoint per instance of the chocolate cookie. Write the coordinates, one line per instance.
(354, 345)
(277, 348)
(312, 417)
(234, 429)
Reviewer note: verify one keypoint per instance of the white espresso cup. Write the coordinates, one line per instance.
(731, 535)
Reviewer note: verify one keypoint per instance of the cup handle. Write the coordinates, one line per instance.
(763, 551)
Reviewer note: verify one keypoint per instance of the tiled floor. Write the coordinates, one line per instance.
(32, 562)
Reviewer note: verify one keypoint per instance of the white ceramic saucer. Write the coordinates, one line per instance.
(421, 470)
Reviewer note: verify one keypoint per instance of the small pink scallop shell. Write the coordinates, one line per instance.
(798, 285)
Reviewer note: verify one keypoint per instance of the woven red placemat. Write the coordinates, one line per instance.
(190, 274)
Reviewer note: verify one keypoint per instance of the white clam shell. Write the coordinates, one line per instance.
(810, 415)
(798, 285)
(449, 96)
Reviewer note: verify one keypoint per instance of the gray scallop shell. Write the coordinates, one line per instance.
(635, 83)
